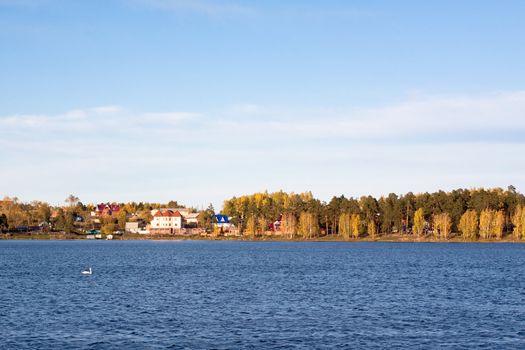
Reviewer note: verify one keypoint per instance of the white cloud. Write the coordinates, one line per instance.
(498, 113)
(327, 151)
(419, 116)
(90, 119)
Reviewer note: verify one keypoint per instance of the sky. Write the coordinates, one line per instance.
(199, 101)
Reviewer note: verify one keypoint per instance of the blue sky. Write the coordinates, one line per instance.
(198, 101)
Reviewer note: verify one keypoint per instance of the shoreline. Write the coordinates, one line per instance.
(392, 238)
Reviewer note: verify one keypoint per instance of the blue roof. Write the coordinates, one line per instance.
(222, 219)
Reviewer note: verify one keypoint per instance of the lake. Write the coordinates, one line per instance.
(261, 295)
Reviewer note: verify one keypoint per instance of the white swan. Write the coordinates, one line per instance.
(87, 272)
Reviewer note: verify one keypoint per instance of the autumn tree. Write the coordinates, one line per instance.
(251, 225)
(345, 229)
(468, 224)
(108, 228)
(518, 220)
(442, 225)
(3, 223)
(65, 221)
(355, 225)
(262, 225)
(419, 223)
(371, 228)
(16, 215)
(486, 223)
(122, 217)
(499, 224)
(205, 218)
(72, 200)
(308, 225)
(289, 224)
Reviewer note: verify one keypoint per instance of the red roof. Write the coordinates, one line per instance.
(108, 207)
(167, 213)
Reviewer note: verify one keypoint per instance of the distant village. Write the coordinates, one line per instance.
(109, 220)
(163, 221)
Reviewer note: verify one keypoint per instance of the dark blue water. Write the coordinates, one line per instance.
(230, 295)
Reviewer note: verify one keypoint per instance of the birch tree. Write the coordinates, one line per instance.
(486, 223)
(499, 224)
(372, 228)
(355, 225)
(289, 224)
(442, 225)
(308, 225)
(468, 224)
(518, 220)
(345, 229)
(419, 223)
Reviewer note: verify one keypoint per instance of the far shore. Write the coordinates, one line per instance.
(393, 238)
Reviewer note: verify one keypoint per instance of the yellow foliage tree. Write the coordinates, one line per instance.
(345, 229)
(486, 223)
(251, 225)
(468, 224)
(371, 229)
(499, 224)
(108, 228)
(262, 225)
(308, 225)
(518, 220)
(289, 224)
(441, 225)
(355, 225)
(419, 223)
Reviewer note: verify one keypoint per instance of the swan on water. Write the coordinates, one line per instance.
(87, 272)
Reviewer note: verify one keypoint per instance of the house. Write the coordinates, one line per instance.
(138, 226)
(165, 221)
(192, 219)
(222, 221)
(103, 209)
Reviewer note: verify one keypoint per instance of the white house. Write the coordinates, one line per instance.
(166, 221)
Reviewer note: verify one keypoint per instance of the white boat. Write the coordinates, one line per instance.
(87, 272)
(109, 237)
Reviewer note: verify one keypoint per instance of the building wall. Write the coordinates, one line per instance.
(166, 222)
(132, 227)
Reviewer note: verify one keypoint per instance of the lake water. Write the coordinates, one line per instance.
(261, 295)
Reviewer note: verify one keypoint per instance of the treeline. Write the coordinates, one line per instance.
(471, 213)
